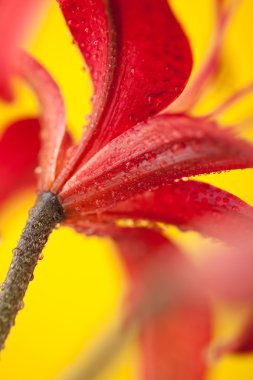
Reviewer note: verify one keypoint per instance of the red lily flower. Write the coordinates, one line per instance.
(126, 164)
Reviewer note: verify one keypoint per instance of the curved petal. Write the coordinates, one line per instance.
(164, 307)
(14, 18)
(172, 342)
(189, 205)
(137, 50)
(19, 148)
(53, 117)
(151, 155)
(139, 59)
(211, 62)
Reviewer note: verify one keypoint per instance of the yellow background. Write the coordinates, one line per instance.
(79, 285)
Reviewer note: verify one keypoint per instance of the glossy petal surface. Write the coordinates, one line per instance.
(19, 147)
(139, 60)
(150, 155)
(190, 205)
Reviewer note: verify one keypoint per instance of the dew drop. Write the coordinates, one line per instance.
(21, 305)
(215, 213)
(182, 228)
(38, 170)
(177, 147)
(57, 226)
(195, 146)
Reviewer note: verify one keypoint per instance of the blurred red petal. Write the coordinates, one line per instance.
(174, 344)
(211, 62)
(15, 16)
(53, 117)
(151, 155)
(229, 274)
(174, 341)
(19, 147)
(142, 249)
(139, 58)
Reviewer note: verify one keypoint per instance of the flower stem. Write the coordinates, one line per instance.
(42, 219)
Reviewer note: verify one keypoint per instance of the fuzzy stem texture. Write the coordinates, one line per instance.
(42, 219)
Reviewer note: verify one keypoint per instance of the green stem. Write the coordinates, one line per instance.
(42, 219)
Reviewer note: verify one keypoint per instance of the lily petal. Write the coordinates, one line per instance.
(139, 58)
(174, 345)
(189, 205)
(173, 342)
(53, 117)
(133, 48)
(14, 18)
(151, 155)
(19, 147)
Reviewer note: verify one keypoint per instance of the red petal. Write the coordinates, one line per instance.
(142, 248)
(14, 18)
(173, 342)
(229, 274)
(211, 62)
(189, 205)
(53, 118)
(150, 155)
(139, 59)
(19, 147)
(137, 50)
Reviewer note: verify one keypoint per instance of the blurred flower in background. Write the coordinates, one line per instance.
(80, 287)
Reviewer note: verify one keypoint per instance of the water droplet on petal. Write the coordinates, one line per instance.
(177, 147)
(38, 170)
